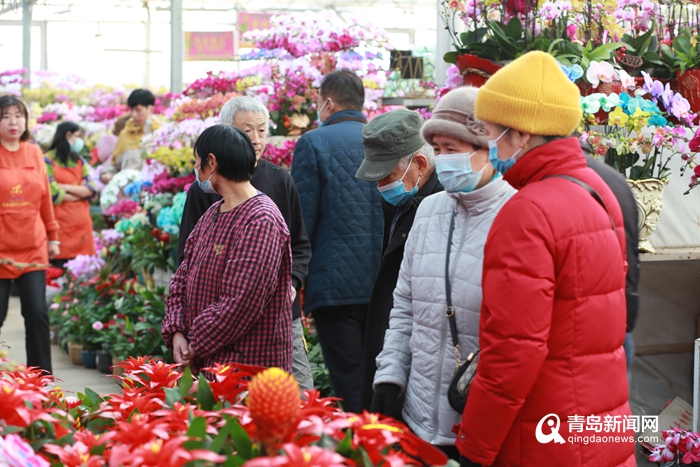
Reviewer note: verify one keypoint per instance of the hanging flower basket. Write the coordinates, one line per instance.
(475, 70)
(689, 87)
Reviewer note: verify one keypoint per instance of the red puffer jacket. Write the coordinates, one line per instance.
(552, 321)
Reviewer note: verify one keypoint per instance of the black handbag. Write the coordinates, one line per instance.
(465, 370)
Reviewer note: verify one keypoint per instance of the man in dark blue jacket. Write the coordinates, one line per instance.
(344, 220)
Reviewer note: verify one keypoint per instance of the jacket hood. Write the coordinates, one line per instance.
(559, 156)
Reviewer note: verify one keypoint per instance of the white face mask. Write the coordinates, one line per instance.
(456, 174)
(206, 185)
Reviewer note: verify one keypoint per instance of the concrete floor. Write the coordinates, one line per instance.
(71, 378)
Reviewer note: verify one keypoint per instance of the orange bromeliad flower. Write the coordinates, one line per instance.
(274, 403)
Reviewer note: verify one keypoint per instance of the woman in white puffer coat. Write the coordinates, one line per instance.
(418, 358)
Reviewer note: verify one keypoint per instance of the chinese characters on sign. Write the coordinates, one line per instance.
(251, 21)
(209, 46)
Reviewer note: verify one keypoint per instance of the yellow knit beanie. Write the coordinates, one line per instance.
(533, 95)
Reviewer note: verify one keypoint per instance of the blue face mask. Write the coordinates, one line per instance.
(320, 122)
(395, 192)
(455, 172)
(501, 166)
(206, 185)
(77, 146)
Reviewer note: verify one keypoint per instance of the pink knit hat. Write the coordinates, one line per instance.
(454, 116)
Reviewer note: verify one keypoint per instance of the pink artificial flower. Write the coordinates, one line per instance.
(98, 326)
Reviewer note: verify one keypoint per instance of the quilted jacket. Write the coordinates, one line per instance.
(343, 215)
(418, 353)
(552, 321)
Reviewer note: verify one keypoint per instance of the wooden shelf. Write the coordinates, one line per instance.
(671, 254)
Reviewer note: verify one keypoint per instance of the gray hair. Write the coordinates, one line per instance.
(427, 150)
(241, 104)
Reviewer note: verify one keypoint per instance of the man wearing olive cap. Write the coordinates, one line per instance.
(402, 163)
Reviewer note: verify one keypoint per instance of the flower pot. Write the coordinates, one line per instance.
(54, 330)
(103, 361)
(74, 351)
(161, 278)
(89, 358)
(649, 196)
(689, 87)
(116, 371)
(475, 70)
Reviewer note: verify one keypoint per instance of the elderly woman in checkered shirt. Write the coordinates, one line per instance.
(230, 298)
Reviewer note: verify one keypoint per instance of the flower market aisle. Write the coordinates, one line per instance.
(73, 378)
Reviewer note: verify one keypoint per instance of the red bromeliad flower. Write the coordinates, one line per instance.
(376, 434)
(155, 376)
(168, 453)
(274, 403)
(231, 380)
(121, 407)
(308, 456)
(77, 455)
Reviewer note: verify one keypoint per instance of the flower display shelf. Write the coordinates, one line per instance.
(672, 254)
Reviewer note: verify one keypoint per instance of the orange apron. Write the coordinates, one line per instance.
(73, 217)
(22, 231)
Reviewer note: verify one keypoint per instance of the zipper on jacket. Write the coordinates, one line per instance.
(438, 383)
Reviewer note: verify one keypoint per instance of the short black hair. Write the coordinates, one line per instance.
(345, 88)
(11, 101)
(235, 154)
(142, 97)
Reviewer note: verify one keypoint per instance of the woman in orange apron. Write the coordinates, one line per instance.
(71, 191)
(28, 229)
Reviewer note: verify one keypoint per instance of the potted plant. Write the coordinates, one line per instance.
(642, 53)
(684, 59)
(638, 136)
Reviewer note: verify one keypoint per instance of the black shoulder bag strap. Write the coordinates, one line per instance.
(591, 191)
(449, 310)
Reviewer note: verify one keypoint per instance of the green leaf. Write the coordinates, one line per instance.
(681, 44)
(205, 398)
(514, 29)
(554, 43)
(240, 439)
(217, 443)
(172, 395)
(186, 381)
(198, 428)
(603, 52)
(345, 446)
(450, 57)
(234, 461)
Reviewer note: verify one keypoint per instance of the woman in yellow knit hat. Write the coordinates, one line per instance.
(552, 370)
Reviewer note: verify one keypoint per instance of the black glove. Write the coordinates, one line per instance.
(464, 462)
(386, 401)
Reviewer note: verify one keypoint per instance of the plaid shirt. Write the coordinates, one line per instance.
(230, 296)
